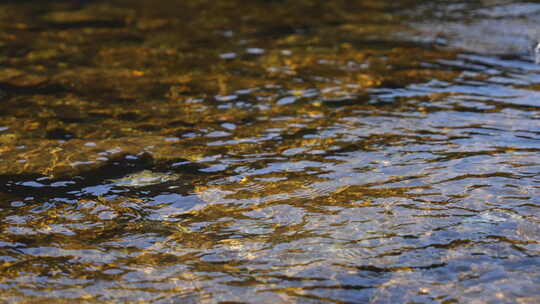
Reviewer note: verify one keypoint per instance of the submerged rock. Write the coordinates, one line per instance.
(144, 178)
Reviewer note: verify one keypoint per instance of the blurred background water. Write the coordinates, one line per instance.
(269, 152)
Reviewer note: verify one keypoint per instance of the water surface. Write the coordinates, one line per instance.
(269, 152)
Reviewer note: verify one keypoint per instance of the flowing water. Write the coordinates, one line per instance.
(269, 152)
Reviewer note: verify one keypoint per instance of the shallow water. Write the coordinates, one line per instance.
(269, 152)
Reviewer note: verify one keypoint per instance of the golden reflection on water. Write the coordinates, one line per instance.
(263, 152)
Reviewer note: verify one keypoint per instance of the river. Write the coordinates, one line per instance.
(269, 151)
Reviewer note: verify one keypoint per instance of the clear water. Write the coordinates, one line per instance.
(269, 152)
